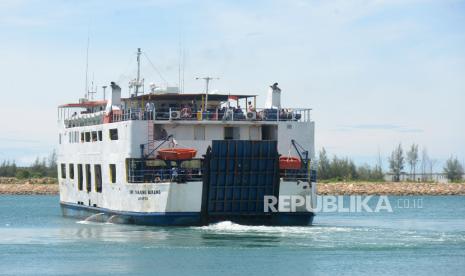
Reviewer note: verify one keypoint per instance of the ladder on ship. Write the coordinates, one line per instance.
(150, 136)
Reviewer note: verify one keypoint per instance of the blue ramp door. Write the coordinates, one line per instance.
(241, 174)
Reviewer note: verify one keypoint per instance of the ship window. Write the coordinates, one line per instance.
(87, 136)
(82, 137)
(98, 178)
(71, 171)
(199, 133)
(63, 170)
(88, 178)
(80, 177)
(269, 132)
(113, 173)
(254, 133)
(231, 133)
(114, 134)
(100, 135)
(94, 136)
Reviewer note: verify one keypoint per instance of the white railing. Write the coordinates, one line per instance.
(233, 114)
(186, 114)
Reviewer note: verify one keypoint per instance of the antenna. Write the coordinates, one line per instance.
(137, 83)
(181, 65)
(86, 87)
(92, 91)
(138, 71)
(207, 82)
(155, 68)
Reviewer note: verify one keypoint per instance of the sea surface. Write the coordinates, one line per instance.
(35, 239)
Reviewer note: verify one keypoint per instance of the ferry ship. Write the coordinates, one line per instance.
(166, 157)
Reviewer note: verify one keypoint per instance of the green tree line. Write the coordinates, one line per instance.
(344, 169)
(419, 167)
(45, 167)
(453, 170)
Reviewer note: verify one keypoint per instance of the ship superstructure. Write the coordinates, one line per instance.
(170, 158)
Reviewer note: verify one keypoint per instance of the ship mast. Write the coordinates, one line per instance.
(207, 82)
(137, 82)
(138, 71)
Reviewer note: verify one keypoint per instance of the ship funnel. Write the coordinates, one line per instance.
(273, 99)
(115, 100)
(115, 94)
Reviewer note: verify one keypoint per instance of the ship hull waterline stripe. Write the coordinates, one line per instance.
(183, 218)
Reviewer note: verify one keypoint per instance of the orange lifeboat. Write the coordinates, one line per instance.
(176, 154)
(289, 163)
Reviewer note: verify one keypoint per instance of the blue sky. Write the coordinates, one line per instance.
(376, 73)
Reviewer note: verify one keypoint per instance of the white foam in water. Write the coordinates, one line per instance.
(91, 219)
(230, 227)
(86, 222)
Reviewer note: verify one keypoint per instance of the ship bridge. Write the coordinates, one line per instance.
(181, 109)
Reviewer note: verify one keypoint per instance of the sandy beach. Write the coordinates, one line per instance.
(390, 188)
(49, 186)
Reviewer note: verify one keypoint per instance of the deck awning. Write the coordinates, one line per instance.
(187, 97)
(86, 104)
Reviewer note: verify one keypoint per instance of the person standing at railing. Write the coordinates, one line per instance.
(174, 174)
(228, 115)
(238, 113)
(221, 112)
(149, 107)
(250, 108)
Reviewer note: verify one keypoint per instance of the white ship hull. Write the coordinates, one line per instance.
(96, 177)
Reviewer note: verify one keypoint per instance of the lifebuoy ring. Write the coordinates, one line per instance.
(186, 113)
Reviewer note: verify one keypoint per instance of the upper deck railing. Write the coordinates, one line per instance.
(185, 114)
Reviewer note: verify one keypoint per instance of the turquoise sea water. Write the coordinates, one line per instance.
(35, 239)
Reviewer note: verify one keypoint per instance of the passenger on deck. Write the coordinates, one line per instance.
(228, 115)
(174, 174)
(238, 113)
(149, 108)
(221, 112)
(163, 112)
(251, 108)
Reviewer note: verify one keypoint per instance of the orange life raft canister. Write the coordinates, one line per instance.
(289, 163)
(177, 154)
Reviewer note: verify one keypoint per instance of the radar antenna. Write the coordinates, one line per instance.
(207, 83)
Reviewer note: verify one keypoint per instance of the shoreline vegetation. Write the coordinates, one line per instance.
(336, 176)
(49, 186)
